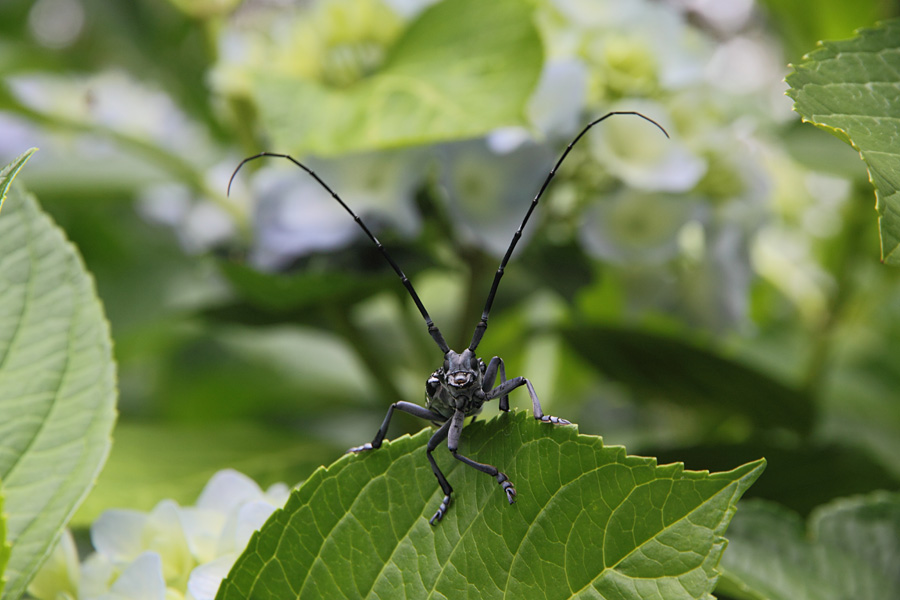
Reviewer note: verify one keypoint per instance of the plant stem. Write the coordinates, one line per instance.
(856, 222)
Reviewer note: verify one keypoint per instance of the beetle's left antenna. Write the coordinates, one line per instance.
(482, 324)
(432, 328)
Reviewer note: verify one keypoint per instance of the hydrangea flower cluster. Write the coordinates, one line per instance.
(171, 553)
(696, 217)
(688, 214)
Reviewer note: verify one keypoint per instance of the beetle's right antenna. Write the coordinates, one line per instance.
(482, 324)
(432, 328)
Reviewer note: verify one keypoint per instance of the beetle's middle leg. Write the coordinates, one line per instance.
(456, 423)
(507, 386)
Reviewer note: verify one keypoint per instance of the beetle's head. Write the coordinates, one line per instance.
(462, 371)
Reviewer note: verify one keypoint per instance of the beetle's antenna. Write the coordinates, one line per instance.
(432, 328)
(482, 324)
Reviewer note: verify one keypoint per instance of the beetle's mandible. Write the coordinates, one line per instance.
(461, 386)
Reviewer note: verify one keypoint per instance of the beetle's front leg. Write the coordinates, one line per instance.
(507, 386)
(407, 407)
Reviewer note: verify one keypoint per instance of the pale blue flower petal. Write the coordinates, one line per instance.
(639, 154)
(489, 193)
(636, 228)
(118, 534)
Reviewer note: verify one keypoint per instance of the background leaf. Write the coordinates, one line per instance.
(9, 173)
(664, 367)
(805, 22)
(850, 88)
(801, 474)
(851, 550)
(414, 98)
(589, 521)
(57, 384)
(185, 457)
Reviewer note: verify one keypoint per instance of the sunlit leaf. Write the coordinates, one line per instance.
(850, 88)
(589, 522)
(4, 544)
(9, 173)
(462, 68)
(57, 384)
(849, 549)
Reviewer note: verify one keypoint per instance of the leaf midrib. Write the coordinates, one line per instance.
(666, 528)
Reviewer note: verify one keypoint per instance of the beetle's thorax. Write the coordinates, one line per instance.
(457, 385)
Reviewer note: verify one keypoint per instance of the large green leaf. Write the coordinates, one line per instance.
(462, 68)
(9, 173)
(664, 367)
(850, 88)
(850, 549)
(4, 545)
(57, 383)
(590, 522)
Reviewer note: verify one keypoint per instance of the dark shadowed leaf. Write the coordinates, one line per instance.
(663, 367)
(801, 475)
(849, 549)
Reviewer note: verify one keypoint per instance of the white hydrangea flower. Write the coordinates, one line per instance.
(640, 155)
(170, 553)
(114, 99)
(637, 228)
(296, 216)
(488, 192)
(59, 578)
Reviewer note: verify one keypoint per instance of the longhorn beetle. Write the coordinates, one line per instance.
(464, 383)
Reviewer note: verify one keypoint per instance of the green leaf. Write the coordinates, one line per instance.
(660, 366)
(9, 173)
(801, 475)
(589, 522)
(804, 22)
(4, 544)
(850, 89)
(57, 384)
(304, 290)
(850, 549)
(462, 68)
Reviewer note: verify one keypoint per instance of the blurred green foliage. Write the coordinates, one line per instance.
(711, 299)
